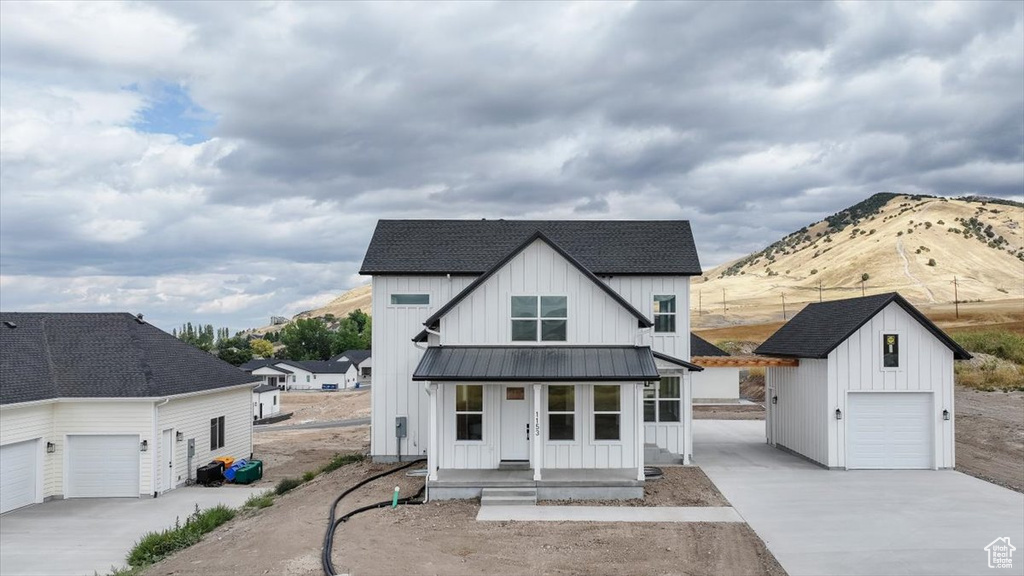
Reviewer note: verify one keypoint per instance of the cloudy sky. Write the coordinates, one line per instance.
(222, 162)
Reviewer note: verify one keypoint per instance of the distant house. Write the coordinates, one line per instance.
(107, 405)
(304, 374)
(363, 361)
(873, 388)
(715, 383)
(266, 401)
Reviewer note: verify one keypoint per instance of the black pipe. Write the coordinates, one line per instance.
(332, 524)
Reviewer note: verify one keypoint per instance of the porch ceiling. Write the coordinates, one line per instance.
(537, 364)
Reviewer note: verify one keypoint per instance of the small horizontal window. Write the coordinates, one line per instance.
(410, 299)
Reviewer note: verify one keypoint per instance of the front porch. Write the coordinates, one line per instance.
(555, 483)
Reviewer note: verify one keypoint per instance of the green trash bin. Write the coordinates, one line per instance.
(249, 473)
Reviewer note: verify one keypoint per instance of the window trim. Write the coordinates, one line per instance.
(595, 412)
(657, 399)
(538, 319)
(674, 315)
(548, 412)
(483, 417)
(392, 304)
(217, 441)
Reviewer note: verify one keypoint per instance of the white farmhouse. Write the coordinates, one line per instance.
(873, 388)
(547, 354)
(106, 405)
(304, 374)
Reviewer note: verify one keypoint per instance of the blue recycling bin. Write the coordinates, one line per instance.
(229, 474)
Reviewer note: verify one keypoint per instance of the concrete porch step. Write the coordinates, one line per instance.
(653, 454)
(513, 465)
(524, 496)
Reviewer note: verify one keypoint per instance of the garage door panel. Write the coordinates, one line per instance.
(19, 475)
(889, 430)
(103, 466)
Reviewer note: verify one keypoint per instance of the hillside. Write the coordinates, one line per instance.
(358, 298)
(913, 244)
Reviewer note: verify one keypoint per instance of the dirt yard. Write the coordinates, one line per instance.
(990, 436)
(680, 486)
(321, 406)
(445, 538)
(728, 412)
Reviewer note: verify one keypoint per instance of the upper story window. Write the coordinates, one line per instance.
(890, 350)
(410, 299)
(543, 318)
(665, 313)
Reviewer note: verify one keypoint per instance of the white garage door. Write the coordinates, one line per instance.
(19, 474)
(103, 466)
(889, 430)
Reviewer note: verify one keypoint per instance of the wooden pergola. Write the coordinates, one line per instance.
(742, 361)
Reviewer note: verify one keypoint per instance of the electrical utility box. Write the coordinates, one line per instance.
(401, 426)
(191, 447)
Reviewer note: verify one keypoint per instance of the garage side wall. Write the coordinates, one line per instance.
(800, 417)
(102, 417)
(192, 417)
(925, 365)
(716, 383)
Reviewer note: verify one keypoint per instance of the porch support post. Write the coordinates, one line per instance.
(638, 417)
(537, 446)
(686, 380)
(432, 454)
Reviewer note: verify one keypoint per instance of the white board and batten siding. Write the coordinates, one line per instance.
(191, 416)
(799, 419)
(640, 292)
(925, 367)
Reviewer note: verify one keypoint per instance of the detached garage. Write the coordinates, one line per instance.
(107, 405)
(873, 388)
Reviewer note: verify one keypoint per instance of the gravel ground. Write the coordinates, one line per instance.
(728, 412)
(990, 436)
(445, 538)
(319, 406)
(680, 486)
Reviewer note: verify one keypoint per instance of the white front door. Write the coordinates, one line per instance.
(889, 430)
(167, 461)
(515, 421)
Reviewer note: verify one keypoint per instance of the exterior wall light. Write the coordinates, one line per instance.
(179, 436)
(144, 446)
(945, 414)
(839, 414)
(51, 447)
(775, 399)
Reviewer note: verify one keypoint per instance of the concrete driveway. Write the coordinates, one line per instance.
(91, 535)
(819, 522)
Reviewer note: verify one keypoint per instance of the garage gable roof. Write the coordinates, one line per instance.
(820, 327)
(606, 247)
(101, 355)
(642, 320)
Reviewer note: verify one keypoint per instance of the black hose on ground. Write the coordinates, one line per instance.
(332, 524)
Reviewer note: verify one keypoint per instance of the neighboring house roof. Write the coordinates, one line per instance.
(701, 347)
(679, 362)
(536, 363)
(264, 388)
(643, 320)
(258, 363)
(101, 355)
(820, 327)
(318, 366)
(605, 247)
(354, 356)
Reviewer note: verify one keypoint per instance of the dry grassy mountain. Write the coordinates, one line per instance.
(358, 298)
(913, 244)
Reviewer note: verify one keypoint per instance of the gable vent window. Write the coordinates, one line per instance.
(665, 313)
(543, 318)
(410, 299)
(890, 350)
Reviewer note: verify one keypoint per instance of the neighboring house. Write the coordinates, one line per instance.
(362, 360)
(557, 347)
(266, 401)
(873, 389)
(715, 383)
(304, 374)
(106, 405)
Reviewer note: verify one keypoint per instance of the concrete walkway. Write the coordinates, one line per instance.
(91, 535)
(893, 522)
(608, 514)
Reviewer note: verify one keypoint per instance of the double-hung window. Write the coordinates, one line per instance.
(469, 412)
(661, 404)
(665, 313)
(607, 412)
(216, 433)
(543, 318)
(561, 413)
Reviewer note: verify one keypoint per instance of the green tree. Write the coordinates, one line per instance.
(307, 339)
(235, 356)
(262, 348)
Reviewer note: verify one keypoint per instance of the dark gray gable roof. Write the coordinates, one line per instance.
(606, 247)
(354, 356)
(701, 347)
(679, 362)
(820, 327)
(472, 286)
(318, 366)
(264, 388)
(263, 363)
(101, 355)
(537, 363)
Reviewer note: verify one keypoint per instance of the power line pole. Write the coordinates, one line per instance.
(819, 292)
(783, 305)
(862, 287)
(724, 308)
(956, 298)
(700, 301)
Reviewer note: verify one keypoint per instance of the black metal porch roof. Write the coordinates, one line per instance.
(537, 364)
